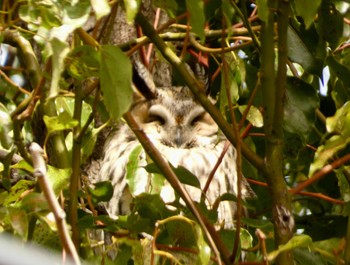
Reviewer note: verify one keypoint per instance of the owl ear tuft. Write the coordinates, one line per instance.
(143, 81)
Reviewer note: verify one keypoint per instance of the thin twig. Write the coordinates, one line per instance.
(40, 172)
(321, 173)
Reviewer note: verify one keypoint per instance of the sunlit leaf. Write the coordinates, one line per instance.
(59, 123)
(202, 245)
(101, 8)
(18, 189)
(246, 239)
(59, 178)
(60, 49)
(340, 122)
(66, 104)
(131, 7)
(327, 151)
(115, 74)
(131, 169)
(294, 242)
(23, 165)
(254, 115)
(5, 127)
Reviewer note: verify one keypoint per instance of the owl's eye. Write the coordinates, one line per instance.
(156, 118)
(157, 114)
(197, 118)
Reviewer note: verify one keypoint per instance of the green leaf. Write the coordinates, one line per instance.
(151, 206)
(132, 7)
(299, 117)
(307, 10)
(254, 115)
(19, 221)
(131, 168)
(115, 74)
(184, 175)
(5, 127)
(23, 165)
(246, 239)
(294, 242)
(326, 248)
(231, 197)
(101, 8)
(60, 49)
(339, 70)
(306, 48)
(102, 192)
(263, 10)
(264, 225)
(88, 143)
(83, 62)
(66, 104)
(330, 24)
(305, 256)
(327, 151)
(34, 203)
(59, 123)
(59, 178)
(202, 245)
(340, 122)
(196, 17)
(228, 12)
(17, 190)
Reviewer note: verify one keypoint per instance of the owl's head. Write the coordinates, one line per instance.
(171, 116)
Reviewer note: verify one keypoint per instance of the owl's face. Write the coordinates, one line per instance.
(176, 120)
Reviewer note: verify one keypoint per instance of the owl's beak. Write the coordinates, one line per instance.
(179, 139)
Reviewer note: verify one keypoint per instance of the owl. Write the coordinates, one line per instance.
(186, 136)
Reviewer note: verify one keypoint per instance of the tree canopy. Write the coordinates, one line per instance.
(280, 76)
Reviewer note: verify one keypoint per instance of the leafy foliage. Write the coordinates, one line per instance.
(68, 82)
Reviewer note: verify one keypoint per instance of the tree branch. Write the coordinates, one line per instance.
(40, 173)
(273, 88)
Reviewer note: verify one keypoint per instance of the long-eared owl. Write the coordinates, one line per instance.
(185, 134)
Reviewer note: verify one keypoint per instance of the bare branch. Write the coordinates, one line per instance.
(40, 173)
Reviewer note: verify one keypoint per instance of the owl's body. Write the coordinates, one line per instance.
(186, 136)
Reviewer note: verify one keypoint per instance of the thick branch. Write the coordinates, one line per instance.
(274, 88)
